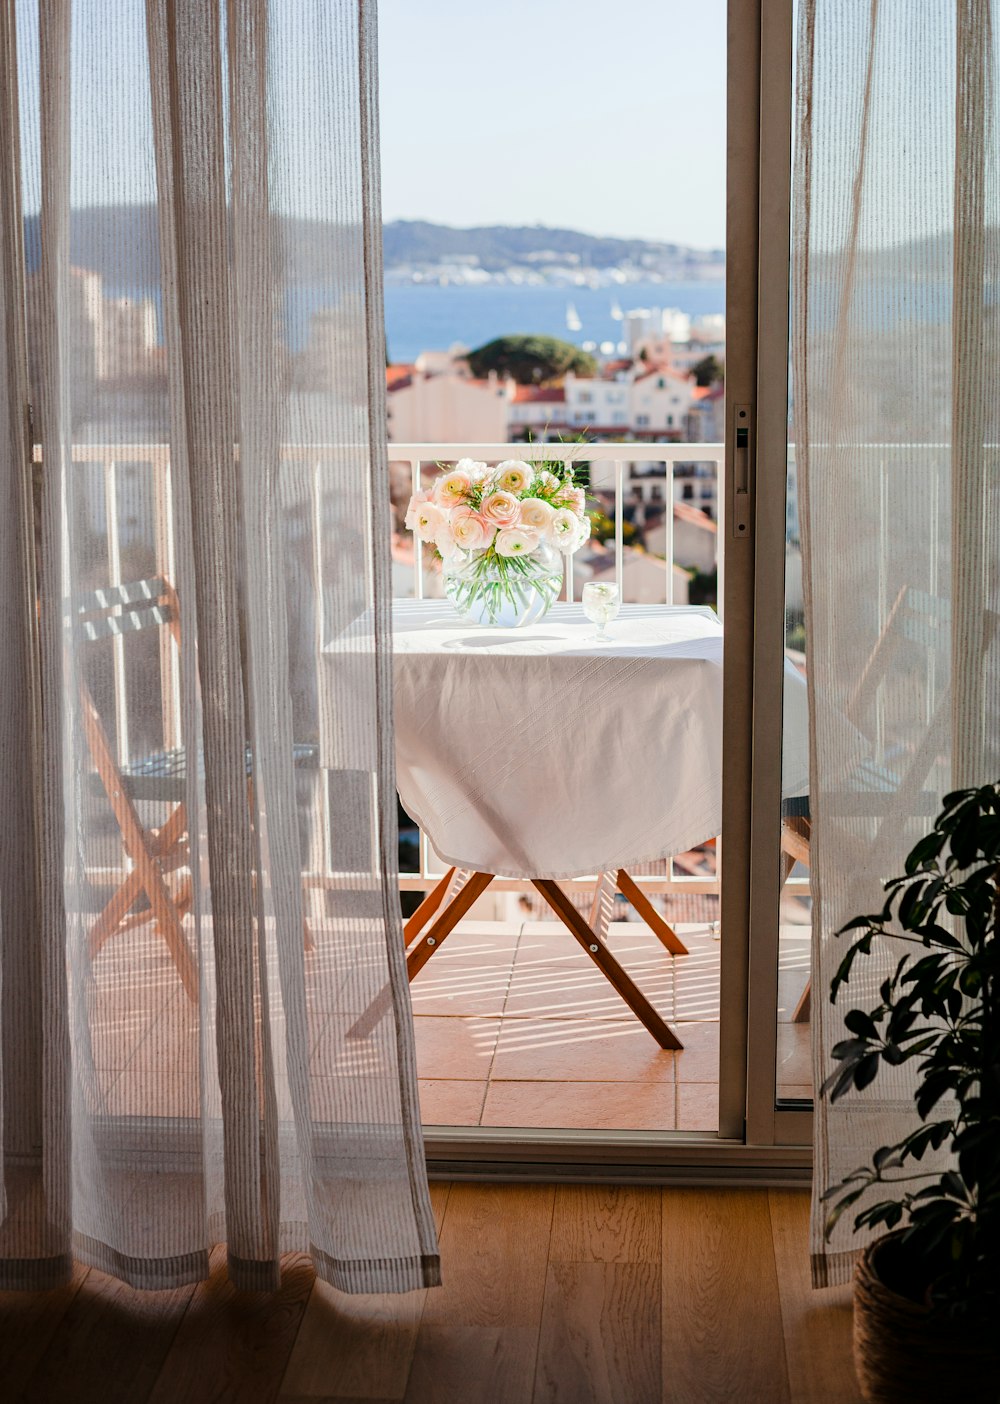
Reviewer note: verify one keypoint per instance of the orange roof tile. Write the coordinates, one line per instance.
(398, 376)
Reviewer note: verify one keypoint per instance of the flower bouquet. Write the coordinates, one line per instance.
(502, 534)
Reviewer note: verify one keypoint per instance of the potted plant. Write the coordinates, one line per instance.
(927, 1293)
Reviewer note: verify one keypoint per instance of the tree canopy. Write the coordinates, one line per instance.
(708, 371)
(531, 360)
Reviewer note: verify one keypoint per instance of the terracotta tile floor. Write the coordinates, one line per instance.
(516, 1027)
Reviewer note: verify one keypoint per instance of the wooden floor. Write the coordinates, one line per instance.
(570, 1294)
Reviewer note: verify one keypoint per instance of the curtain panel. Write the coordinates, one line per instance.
(198, 864)
(896, 417)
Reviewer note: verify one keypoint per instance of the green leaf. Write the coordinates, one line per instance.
(861, 1023)
(865, 1071)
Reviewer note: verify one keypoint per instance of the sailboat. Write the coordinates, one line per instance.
(573, 322)
(616, 311)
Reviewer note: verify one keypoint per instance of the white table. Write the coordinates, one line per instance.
(536, 753)
(540, 754)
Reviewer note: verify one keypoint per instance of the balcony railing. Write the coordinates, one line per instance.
(614, 459)
(129, 501)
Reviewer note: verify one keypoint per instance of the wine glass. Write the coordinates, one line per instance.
(600, 604)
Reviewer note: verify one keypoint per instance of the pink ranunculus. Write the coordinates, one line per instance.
(502, 508)
(412, 507)
(572, 497)
(516, 541)
(444, 539)
(453, 489)
(472, 532)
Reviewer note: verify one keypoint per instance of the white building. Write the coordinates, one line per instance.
(438, 400)
(127, 338)
(537, 413)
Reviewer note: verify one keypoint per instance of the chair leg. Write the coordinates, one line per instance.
(619, 979)
(803, 1010)
(113, 914)
(664, 932)
(111, 918)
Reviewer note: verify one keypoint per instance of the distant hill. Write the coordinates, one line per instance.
(499, 246)
(121, 243)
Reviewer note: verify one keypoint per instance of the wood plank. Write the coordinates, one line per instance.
(606, 1224)
(722, 1335)
(817, 1324)
(328, 1399)
(440, 1190)
(28, 1324)
(349, 1346)
(234, 1346)
(478, 1336)
(494, 1249)
(109, 1345)
(473, 1365)
(600, 1340)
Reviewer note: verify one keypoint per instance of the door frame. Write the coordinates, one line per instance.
(769, 1123)
(755, 1138)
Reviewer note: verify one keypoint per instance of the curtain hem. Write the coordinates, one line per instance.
(833, 1269)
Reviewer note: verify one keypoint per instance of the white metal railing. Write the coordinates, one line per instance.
(619, 456)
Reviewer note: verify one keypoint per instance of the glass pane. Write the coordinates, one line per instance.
(498, 226)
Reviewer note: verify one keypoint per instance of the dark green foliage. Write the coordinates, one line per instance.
(708, 371)
(704, 588)
(531, 360)
(942, 1006)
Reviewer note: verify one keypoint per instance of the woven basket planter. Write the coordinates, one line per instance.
(905, 1351)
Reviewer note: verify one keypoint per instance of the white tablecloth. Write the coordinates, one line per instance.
(536, 753)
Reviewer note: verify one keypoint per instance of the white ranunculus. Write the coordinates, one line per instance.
(516, 541)
(536, 513)
(514, 475)
(476, 470)
(428, 520)
(565, 530)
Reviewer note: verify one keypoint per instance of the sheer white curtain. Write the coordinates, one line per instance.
(197, 890)
(896, 407)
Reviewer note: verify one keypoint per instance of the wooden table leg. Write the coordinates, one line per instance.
(607, 964)
(660, 928)
(446, 922)
(422, 951)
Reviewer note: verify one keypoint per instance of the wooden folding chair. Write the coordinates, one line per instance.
(154, 853)
(916, 618)
(159, 776)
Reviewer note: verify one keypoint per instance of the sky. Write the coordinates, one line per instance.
(607, 116)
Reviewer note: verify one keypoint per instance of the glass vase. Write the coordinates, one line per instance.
(504, 591)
